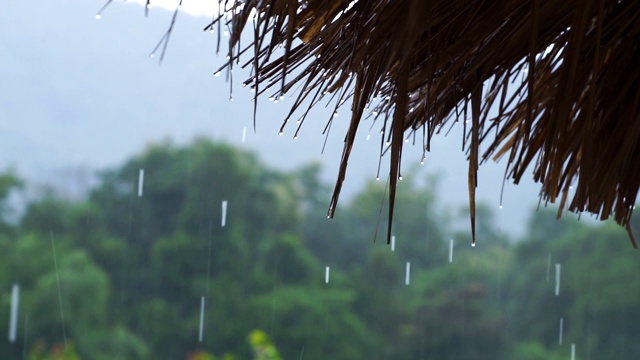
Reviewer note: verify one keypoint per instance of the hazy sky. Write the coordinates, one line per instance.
(81, 92)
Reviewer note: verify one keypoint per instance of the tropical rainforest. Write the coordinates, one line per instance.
(143, 268)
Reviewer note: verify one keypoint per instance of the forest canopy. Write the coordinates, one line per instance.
(118, 275)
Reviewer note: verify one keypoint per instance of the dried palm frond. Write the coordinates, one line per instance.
(548, 83)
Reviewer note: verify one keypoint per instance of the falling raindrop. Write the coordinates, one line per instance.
(573, 351)
(326, 275)
(201, 329)
(407, 273)
(224, 213)
(557, 279)
(140, 182)
(244, 134)
(13, 320)
(393, 243)
(561, 329)
(451, 250)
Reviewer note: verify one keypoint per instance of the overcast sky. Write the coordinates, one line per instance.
(82, 92)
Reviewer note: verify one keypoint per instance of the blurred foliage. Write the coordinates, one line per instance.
(130, 271)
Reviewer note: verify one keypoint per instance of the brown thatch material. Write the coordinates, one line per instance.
(548, 83)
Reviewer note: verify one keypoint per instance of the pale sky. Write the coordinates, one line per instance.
(191, 7)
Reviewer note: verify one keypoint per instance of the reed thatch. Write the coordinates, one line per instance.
(548, 83)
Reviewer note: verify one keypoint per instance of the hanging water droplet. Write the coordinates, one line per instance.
(217, 73)
(375, 113)
(368, 136)
(98, 16)
(281, 133)
(211, 31)
(225, 33)
(377, 178)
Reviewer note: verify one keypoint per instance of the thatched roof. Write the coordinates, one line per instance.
(547, 83)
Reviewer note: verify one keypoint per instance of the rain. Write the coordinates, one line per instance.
(98, 258)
